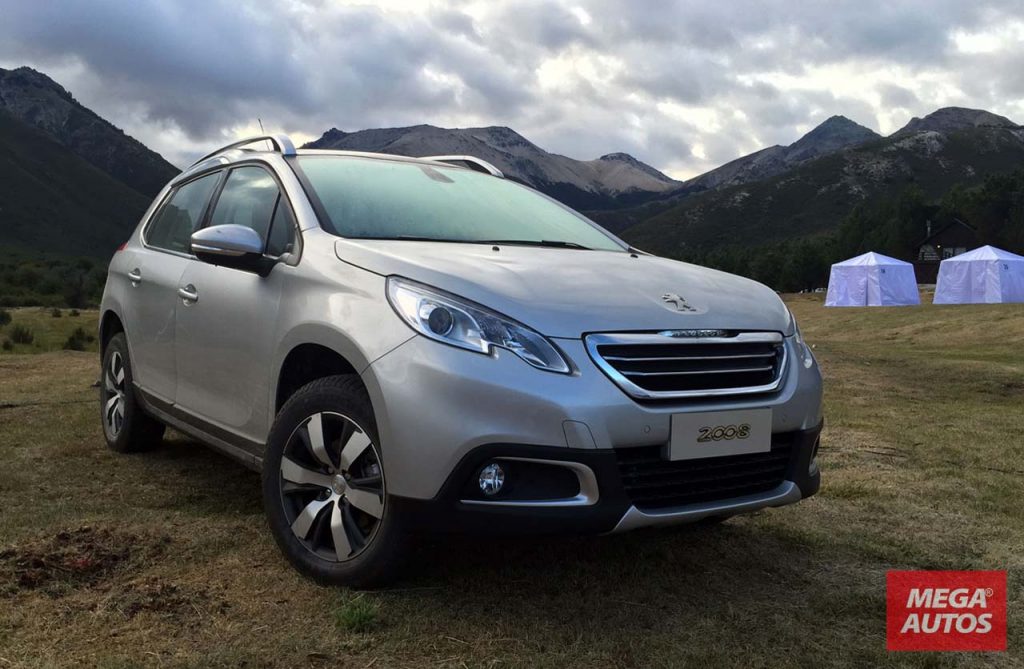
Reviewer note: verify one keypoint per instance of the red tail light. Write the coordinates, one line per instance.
(121, 247)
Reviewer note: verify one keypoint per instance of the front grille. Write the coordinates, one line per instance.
(664, 366)
(652, 482)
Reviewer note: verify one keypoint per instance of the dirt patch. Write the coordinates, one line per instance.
(162, 597)
(1011, 388)
(71, 559)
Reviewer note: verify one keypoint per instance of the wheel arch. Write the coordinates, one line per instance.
(308, 362)
(110, 325)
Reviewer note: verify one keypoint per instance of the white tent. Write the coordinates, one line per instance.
(872, 280)
(985, 275)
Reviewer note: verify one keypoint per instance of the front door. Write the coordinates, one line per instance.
(225, 337)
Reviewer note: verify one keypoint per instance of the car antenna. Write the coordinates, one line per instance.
(263, 132)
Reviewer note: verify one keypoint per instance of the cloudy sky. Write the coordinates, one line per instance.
(684, 86)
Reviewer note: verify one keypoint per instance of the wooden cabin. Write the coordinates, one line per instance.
(945, 241)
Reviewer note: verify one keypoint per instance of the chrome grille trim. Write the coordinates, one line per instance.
(614, 358)
(739, 370)
(690, 351)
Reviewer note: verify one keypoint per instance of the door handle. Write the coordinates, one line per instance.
(135, 275)
(189, 294)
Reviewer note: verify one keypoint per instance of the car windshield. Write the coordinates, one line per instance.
(366, 198)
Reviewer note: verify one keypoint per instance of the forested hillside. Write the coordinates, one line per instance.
(892, 225)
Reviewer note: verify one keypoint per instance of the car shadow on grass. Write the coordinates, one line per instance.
(216, 484)
(747, 582)
(199, 479)
(668, 586)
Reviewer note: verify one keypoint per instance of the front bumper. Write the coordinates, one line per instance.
(616, 507)
(435, 405)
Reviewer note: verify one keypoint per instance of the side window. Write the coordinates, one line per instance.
(173, 226)
(250, 198)
(282, 230)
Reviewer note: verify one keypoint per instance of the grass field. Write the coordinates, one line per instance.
(49, 331)
(163, 559)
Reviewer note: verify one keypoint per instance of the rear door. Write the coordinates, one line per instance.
(225, 338)
(155, 271)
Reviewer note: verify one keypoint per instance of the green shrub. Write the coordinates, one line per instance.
(74, 313)
(21, 335)
(5, 317)
(56, 313)
(8, 345)
(78, 340)
(40, 281)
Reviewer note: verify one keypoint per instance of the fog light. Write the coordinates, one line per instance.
(492, 478)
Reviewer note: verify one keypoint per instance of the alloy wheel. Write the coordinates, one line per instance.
(332, 486)
(114, 385)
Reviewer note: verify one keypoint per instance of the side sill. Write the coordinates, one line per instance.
(175, 418)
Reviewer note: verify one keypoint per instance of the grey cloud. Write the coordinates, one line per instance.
(205, 67)
(455, 22)
(897, 96)
(159, 49)
(538, 23)
(721, 147)
(682, 74)
(701, 25)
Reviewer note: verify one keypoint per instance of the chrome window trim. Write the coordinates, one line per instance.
(587, 496)
(592, 341)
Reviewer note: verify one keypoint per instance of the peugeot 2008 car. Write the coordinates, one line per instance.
(405, 345)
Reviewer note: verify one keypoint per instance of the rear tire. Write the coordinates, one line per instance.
(126, 427)
(324, 487)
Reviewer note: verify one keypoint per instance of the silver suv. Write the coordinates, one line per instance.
(418, 344)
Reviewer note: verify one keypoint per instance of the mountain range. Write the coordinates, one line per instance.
(834, 134)
(72, 183)
(948, 147)
(53, 201)
(38, 101)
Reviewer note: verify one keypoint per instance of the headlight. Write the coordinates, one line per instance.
(801, 346)
(462, 323)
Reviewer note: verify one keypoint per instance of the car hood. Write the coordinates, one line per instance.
(571, 292)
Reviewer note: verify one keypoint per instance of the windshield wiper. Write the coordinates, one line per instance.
(415, 238)
(551, 243)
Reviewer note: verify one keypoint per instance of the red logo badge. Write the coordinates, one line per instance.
(945, 610)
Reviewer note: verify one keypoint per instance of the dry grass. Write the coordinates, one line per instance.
(163, 559)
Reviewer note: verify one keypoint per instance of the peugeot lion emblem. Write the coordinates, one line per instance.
(677, 302)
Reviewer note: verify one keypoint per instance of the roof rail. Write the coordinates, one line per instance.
(471, 162)
(282, 143)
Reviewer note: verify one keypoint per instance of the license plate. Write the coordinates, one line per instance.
(712, 434)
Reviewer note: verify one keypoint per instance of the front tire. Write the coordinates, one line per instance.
(324, 487)
(126, 427)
